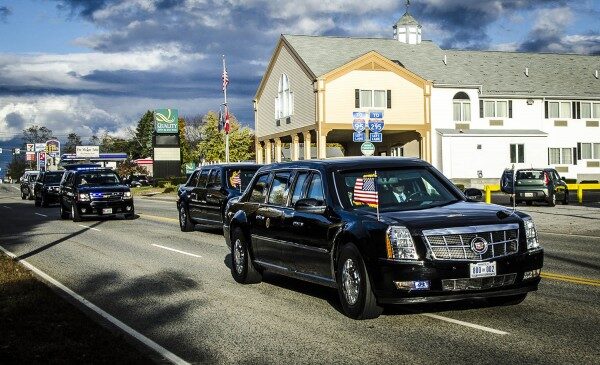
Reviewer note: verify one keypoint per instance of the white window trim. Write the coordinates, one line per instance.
(284, 101)
(462, 103)
(560, 102)
(495, 101)
(561, 156)
(360, 99)
(516, 152)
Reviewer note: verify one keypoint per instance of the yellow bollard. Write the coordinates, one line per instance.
(580, 194)
(488, 194)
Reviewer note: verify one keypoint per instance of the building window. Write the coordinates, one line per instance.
(554, 156)
(284, 102)
(590, 110)
(517, 153)
(596, 148)
(461, 107)
(496, 109)
(567, 156)
(586, 151)
(373, 99)
(556, 109)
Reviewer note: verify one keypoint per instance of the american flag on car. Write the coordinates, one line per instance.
(365, 190)
(235, 179)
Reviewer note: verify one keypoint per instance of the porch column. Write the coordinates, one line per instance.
(277, 149)
(322, 146)
(306, 145)
(259, 152)
(268, 151)
(295, 147)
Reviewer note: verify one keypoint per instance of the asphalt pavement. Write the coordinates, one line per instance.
(176, 289)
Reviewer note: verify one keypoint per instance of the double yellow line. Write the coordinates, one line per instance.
(570, 279)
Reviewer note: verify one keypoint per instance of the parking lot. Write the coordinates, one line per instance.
(175, 288)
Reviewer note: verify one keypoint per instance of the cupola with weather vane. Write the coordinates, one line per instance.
(407, 29)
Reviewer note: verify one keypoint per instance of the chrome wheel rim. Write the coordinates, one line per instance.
(350, 282)
(238, 256)
(553, 198)
(73, 211)
(182, 216)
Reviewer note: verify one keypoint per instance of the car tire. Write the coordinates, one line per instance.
(551, 200)
(566, 198)
(30, 196)
(64, 214)
(354, 285)
(37, 202)
(185, 223)
(43, 202)
(529, 202)
(23, 196)
(509, 300)
(242, 265)
(75, 214)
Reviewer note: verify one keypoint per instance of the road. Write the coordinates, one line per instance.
(176, 289)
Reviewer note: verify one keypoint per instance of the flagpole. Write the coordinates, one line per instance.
(226, 112)
(377, 191)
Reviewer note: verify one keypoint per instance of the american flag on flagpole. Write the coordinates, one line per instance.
(225, 78)
(365, 190)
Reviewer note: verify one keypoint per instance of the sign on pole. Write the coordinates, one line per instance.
(376, 125)
(375, 137)
(87, 151)
(53, 146)
(39, 147)
(367, 149)
(166, 121)
(358, 137)
(29, 156)
(17, 151)
(30, 147)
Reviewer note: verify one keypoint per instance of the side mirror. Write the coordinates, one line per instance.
(474, 194)
(310, 205)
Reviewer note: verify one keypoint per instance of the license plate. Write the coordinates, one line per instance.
(483, 269)
(107, 211)
(528, 195)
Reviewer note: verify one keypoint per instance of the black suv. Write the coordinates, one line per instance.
(28, 184)
(202, 199)
(92, 191)
(381, 231)
(47, 188)
(535, 185)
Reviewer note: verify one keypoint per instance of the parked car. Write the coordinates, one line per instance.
(535, 185)
(28, 184)
(92, 191)
(202, 199)
(381, 231)
(47, 188)
(137, 180)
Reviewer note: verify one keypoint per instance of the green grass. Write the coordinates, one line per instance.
(38, 326)
(143, 190)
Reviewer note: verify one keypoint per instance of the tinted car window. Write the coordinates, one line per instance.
(240, 178)
(194, 179)
(215, 177)
(259, 190)
(315, 188)
(299, 186)
(280, 189)
(203, 178)
(51, 178)
(97, 178)
(530, 175)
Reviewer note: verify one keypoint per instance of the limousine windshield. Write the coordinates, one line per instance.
(392, 189)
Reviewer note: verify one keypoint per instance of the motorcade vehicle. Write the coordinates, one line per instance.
(535, 185)
(202, 199)
(94, 192)
(28, 184)
(380, 230)
(47, 188)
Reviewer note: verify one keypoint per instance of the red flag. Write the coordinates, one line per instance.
(226, 126)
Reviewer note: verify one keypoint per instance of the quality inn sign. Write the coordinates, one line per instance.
(166, 121)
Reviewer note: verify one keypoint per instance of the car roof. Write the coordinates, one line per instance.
(237, 165)
(346, 163)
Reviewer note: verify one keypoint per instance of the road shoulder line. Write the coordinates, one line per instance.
(166, 354)
(466, 324)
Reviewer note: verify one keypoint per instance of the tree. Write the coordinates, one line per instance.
(35, 134)
(94, 141)
(16, 167)
(212, 146)
(128, 167)
(110, 144)
(73, 140)
(143, 136)
(187, 153)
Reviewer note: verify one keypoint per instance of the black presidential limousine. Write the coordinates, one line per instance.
(382, 231)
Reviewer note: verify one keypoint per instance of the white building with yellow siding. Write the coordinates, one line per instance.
(469, 113)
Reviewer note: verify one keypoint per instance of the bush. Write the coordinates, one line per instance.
(588, 182)
(570, 181)
(174, 180)
(460, 186)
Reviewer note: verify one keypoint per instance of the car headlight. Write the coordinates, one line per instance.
(531, 234)
(127, 194)
(84, 197)
(399, 244)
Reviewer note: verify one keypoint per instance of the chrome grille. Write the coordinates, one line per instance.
(455, 243)
(478, 283)
(114, 196)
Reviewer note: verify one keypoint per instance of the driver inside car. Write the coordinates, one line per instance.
(399, 191)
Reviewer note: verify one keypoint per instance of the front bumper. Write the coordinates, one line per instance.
(100, 208)
(386, 272)
(51, 196)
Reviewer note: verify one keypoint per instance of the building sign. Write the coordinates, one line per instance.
(39, 147)
(53, 146)
(87, 151)
(375, 137)
(29, 156)
(166, 121)
(30, 147)
(367, 149)
(358, 137)
(42, 156)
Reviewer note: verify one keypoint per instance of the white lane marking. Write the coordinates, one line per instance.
(40, 214)
(466, 324)
(172, 249)
(568, 234)
(130, 331)
(95, 229)
(158, 200)
(16, 188)
(4, 206)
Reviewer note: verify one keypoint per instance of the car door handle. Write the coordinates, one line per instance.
(298, 224)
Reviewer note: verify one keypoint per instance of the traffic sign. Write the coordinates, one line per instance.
(375, 114)
(367, 149)
(375, 137)
(359, 115)
(17, 151)
(359, 125)
(376, 125)
(358, 137)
